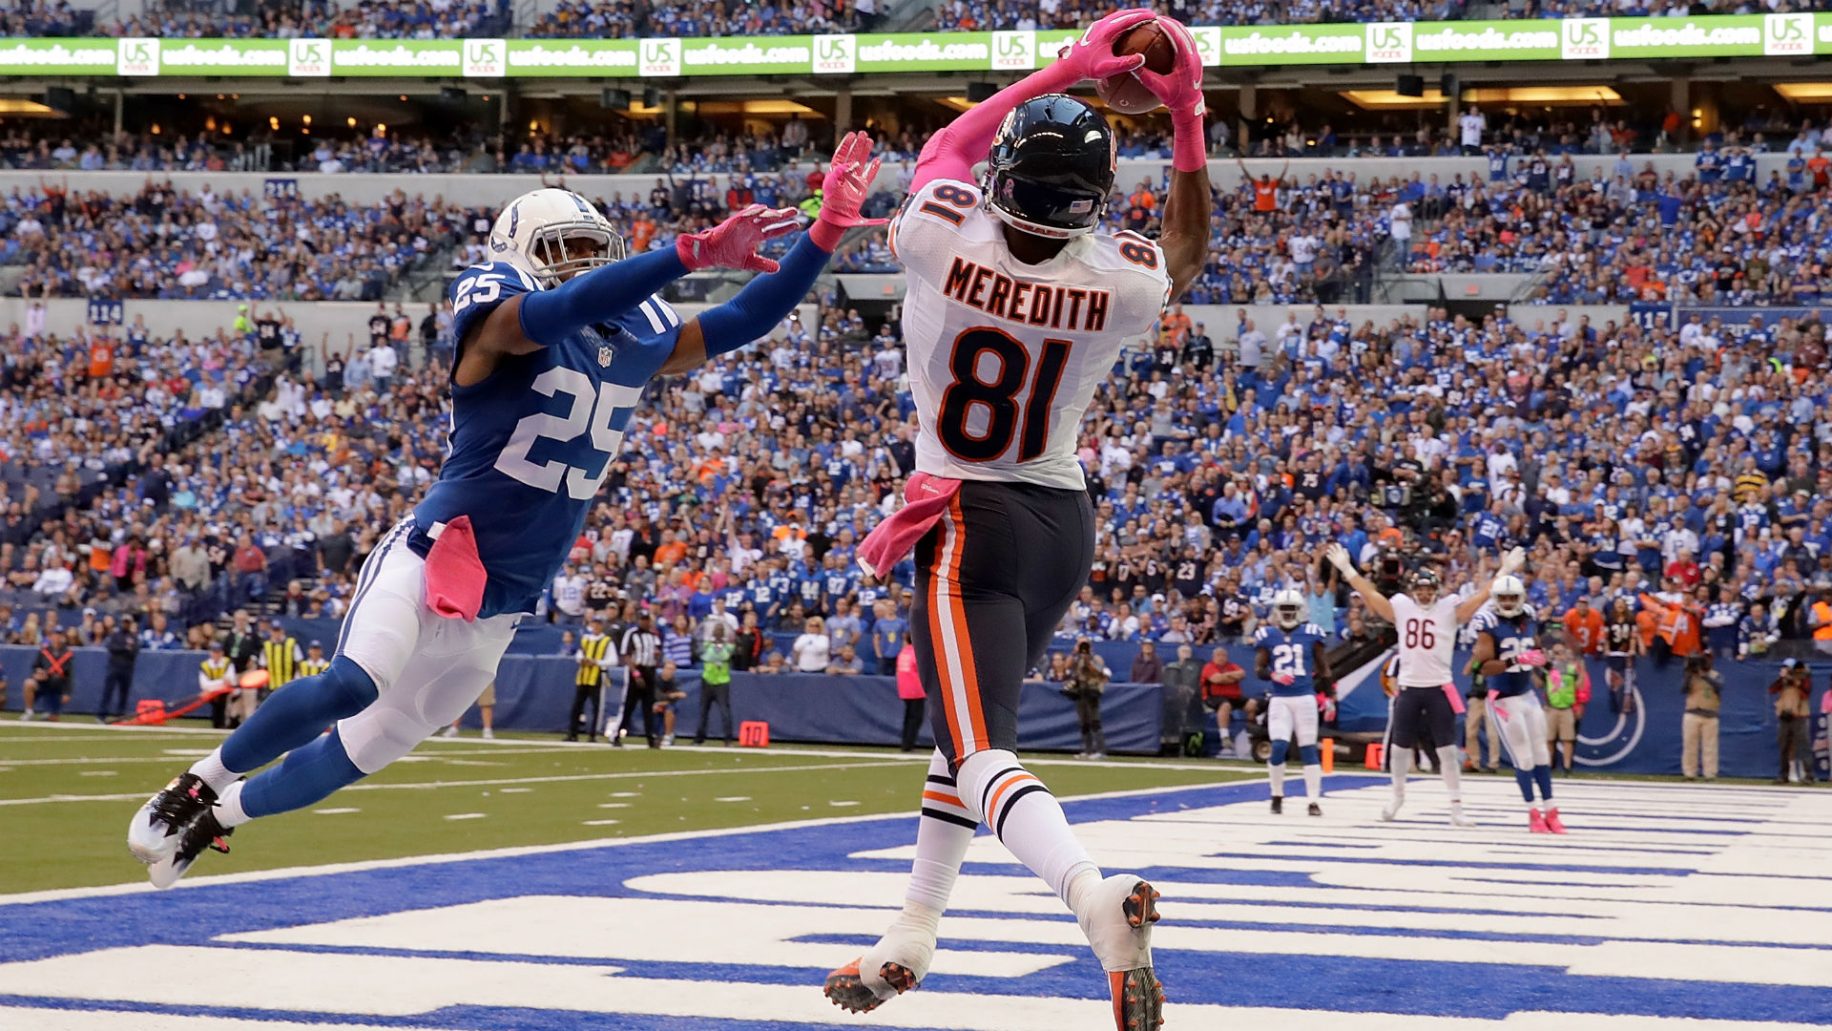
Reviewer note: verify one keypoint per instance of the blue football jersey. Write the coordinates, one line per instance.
(1512, 635)
(529, 446)
(1291, 652)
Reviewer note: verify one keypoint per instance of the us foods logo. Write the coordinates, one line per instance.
(1785, 34)
(306, 57)
(1389, 42)
(483, 58)
(137, 57)
(835, 55)
(1208, 43)
(1015, 50)
(1583, 39)
(659, 57)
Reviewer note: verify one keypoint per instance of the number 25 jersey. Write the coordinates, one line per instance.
(1004, 357)
(530, 445)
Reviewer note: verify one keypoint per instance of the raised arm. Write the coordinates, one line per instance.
(768, 299)
(1376, 602)
(952, 152)
(1510, 564)
(1185, 234)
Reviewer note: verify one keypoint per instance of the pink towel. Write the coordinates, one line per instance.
(1456, 700)
(925, 498)
(455, 576)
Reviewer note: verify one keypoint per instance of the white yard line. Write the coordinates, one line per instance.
(190, 883)
(435, 785)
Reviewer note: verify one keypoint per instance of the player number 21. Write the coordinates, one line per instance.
(1288, 658)
(997, 398)
(588, 411)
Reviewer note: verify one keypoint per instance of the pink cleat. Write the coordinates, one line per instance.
(1553, 823)
(1536, 822)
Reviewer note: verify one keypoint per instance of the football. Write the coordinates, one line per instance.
(1125, 93)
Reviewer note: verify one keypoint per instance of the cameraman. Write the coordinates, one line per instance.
(1088, 677)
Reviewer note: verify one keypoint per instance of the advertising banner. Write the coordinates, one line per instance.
(1225, 46)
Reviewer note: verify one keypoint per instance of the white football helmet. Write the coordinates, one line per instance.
(533, 231)
(1510, 596)
(1288, 608)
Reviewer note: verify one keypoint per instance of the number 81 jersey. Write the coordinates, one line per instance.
(1004, 356)
(529, 446)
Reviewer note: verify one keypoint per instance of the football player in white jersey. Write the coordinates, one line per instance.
(1426, 620)
(1018, 303)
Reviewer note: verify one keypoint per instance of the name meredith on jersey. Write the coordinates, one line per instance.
(1038, 304)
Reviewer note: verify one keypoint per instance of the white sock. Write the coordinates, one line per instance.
(1079, 886)
(1277, 770)
(1452, 771)
(1313, 781)
(1027, 819)
(941, 845)
(212, 771)
(229, 811)
(1402, 767)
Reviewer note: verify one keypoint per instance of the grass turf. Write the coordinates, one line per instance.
(66, 794)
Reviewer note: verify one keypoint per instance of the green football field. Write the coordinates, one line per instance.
(67, 792)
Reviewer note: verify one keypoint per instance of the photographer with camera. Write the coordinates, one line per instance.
(1087, 681)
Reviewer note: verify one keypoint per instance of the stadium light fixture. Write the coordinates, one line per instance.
(12, 106)
(1533, 96)
(1805, 92)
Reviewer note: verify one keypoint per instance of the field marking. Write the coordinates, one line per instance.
(438, 785)
(599, 823)
(807, 751)
(513, 851)
(468, 816)
(339, 811)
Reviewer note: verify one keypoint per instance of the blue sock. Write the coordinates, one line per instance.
(1543, 775)
(297, 713)
(310, 773)
(1525, 779)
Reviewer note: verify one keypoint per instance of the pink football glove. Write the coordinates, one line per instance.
(1531, 657)
(844, 190)
(1328, 705)
(1092, 57)
(733, 243)
(1181, 88)
(1284, 679)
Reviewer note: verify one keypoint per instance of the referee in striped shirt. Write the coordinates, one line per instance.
(641, 651)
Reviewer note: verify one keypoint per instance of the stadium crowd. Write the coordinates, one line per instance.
(1682, 472)
(293, 19)
(162, 242)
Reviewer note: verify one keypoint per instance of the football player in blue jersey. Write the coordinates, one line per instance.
(1507, 655)
(558, 335)
(1290, 655)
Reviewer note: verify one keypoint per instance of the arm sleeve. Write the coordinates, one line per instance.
(764, 301)
(601, 295)
(950, 153)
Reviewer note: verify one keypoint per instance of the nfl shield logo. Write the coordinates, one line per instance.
(604, 356)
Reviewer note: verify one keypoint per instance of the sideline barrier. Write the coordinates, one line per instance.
(534, 693)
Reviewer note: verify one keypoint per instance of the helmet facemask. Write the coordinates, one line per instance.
(555, 261)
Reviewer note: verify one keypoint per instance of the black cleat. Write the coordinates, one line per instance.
(202, 833)
(1315, 809)
(1278, 805)
(157, 827)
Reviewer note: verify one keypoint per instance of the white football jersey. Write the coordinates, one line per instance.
(1003, 356)
(1427, 639)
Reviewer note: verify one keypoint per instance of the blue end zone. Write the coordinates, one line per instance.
(198, 915)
